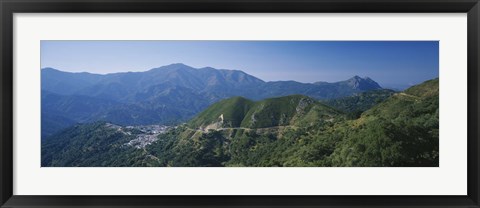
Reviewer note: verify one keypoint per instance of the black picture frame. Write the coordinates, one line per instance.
(9, 7)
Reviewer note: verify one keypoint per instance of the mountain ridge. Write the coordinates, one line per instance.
(182, 67)
(170, 94)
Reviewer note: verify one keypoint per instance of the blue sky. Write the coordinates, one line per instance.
(397, 64)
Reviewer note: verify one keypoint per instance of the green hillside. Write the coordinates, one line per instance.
(427, 89)
(288, 110)
(233, 111)
(272, 112)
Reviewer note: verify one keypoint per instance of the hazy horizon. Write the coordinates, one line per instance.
(394, 64)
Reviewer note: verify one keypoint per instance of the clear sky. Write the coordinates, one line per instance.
(395, 64)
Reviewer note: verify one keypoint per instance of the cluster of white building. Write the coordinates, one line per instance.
(149, 135)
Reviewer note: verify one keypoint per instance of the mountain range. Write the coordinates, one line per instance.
(399, 129)
(165, 95)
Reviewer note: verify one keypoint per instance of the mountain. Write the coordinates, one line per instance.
(165, 95)
(226, 113)
(320, 90)
(239, 112)
(66, 83)
(296, 130)
(359, 83)
(126, 86)
(218, 83)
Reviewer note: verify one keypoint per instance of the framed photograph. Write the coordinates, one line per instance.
(267, 103)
